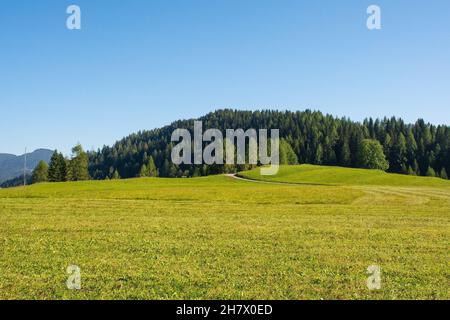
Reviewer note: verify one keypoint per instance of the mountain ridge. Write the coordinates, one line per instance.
(11, 166)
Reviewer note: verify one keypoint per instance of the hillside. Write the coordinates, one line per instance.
(11, 166)
(322, 175)
(420, 148)
(17, 181)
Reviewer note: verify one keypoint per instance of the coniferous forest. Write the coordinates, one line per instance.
(414, 149)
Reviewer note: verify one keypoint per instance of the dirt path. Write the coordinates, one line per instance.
(235, 176)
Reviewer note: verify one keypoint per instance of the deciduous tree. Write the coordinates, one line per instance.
(40, 173)
(371, 155)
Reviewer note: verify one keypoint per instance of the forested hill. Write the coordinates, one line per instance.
(419, 149)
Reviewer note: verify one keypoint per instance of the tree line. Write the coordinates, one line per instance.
(62, 169)
(306, 137)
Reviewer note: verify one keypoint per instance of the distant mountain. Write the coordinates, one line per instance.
(11, 166)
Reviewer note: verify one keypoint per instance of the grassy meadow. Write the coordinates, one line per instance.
(322, 175)
(219, 237)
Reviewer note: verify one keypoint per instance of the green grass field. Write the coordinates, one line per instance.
(222, 238)
(321, 175)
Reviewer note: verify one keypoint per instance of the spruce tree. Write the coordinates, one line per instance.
(69, 170)
(404, 169)
(144, 171)
(166, 168)
(411, 145)
(53, 170)
(57, 170)
(287, 154)
(444, 174)
(346, 159)
(415, 168)
(116, 175)
(172, 170)
(430, 172)
(397, 156)
(152, 171)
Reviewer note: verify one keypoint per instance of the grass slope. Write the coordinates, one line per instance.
(311, 174)
(218, 238)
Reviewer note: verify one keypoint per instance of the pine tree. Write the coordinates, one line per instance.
(53, 170)
(404, 169)
(398, 155)
(318, 155)
(172, 170)
(116, 175)
(144, 171)
(444, 174)
(152, 171)
(430, 172)
(346, 159)
(287, 154)
(387, 144)
(415, 168)
(69, 170)
(40, 173)
(57, 171)
(411, 146)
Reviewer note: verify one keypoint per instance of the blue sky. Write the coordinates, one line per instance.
(142, 64)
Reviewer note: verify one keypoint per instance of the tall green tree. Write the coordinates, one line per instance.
(345, 155)
(79, 164)
(398, 155)
(57, 171)
(371, 155)
(430, 172)
(444, 174)
(115, 175)
(411, 146)
(287, 154)
(144, 171)
(151, 167)
(40, 173)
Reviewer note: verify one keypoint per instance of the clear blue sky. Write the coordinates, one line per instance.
(142, 64)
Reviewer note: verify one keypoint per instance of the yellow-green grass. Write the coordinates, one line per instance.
(311, 174)
(222, 238)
